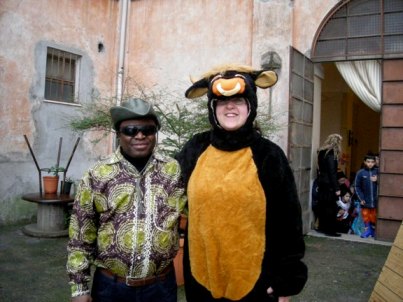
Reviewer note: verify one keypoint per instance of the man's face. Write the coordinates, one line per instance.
(138, 137)
(369, 163)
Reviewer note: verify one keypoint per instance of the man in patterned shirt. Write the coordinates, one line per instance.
(125, 217)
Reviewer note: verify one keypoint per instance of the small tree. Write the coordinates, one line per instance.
(181, 123)
(181, 118)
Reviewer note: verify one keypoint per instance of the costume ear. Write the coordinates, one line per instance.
(198, 89)
(266, 79)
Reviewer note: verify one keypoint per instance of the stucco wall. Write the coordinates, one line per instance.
(26, 29)
(170, 40)
(166, 42)
(307, 17)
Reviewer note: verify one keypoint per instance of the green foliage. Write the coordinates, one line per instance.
(180, 123)
(69, 179)
(181, 118)
(268, 123)
(93, 116)
(54, 169)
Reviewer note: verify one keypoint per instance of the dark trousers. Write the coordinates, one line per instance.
(327, 210)
(107, 289)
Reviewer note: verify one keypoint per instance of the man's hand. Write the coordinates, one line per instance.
(362, 202)
(84, 298)
(280, 299)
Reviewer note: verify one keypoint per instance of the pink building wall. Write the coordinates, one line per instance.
(166, 41)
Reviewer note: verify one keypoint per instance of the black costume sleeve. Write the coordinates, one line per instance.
(282, 268)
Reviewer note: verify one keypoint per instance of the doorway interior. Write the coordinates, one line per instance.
(344, 113)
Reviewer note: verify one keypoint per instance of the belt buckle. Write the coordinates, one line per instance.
(128, 279)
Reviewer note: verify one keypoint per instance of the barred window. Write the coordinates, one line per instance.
(61, 75)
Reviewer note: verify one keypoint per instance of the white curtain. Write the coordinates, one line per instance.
(364, 78)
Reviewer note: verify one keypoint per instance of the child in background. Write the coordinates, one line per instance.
(343, 214)
(342, 179)
(366, 186)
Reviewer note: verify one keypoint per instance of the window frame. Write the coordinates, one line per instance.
(60, 78)
(343, 15)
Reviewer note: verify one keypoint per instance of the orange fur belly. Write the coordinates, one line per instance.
(227, 210)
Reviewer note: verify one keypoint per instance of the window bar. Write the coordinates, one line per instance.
(61, 75)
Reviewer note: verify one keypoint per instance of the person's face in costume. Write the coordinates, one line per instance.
(138, 137)
(232, 113)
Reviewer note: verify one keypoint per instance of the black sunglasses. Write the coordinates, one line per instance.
(133, 130)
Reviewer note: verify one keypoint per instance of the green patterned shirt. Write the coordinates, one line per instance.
(125, 221)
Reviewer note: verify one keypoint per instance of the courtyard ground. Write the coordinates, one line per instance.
(340, 269)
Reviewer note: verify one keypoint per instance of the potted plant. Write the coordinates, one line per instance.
(50, 182)
(65, 185)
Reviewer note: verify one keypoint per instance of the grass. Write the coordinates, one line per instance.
(33, 269)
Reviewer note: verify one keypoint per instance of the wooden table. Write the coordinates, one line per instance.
(51, 215)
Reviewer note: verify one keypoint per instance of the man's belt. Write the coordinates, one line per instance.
(136, 282)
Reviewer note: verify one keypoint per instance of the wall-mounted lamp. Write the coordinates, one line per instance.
(271, 60)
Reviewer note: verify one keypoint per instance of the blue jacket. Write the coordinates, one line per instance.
(365, 188)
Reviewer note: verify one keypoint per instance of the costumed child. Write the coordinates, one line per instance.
(244, 238)
(343, 222)
(366, 188)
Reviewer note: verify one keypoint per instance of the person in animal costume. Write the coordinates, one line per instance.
(244, 238)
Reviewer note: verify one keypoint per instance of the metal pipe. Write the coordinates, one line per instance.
(36, 164)
(72, 153)
(122, 49)
(58, 153)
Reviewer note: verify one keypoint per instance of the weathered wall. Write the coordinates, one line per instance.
(170, 40)
(166, 42)
(307, 17)
(26, 29)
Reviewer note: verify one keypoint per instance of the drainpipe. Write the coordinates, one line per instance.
(121, 60)
(122, 49)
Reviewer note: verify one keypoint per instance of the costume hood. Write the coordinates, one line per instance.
(229, 81)
(232, 80)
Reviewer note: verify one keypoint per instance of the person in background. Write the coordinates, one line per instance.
(244, 238)
(343, 221)
(314, 198)
(328, 185)
(125, 217)
(366, 188)
(342, 179)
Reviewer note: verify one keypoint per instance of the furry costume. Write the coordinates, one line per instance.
(244, 228)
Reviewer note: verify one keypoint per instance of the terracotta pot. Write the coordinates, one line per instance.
(50, 184)
(183, 222)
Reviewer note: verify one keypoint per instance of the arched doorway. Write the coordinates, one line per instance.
(343, 112)
(363, 30)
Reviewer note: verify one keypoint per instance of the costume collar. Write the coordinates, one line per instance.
(233, 140)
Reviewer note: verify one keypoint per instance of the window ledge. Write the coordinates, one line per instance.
(63, 103)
